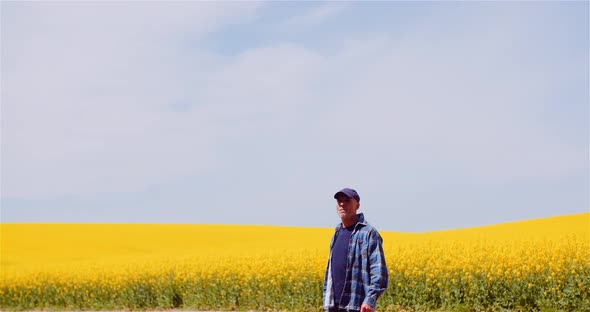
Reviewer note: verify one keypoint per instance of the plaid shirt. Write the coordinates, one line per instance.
(366, 272)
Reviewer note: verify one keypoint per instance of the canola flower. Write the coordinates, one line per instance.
(528, 265)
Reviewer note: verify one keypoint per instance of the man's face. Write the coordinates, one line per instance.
(346, 207)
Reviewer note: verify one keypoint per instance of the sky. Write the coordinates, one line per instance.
(441, 115)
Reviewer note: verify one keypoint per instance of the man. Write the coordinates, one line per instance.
(356, 274)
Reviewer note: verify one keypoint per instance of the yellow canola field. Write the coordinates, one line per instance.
(534, 264)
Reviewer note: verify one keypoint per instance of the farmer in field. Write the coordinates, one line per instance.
(356, 274)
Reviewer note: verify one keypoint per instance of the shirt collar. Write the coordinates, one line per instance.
(361, 220)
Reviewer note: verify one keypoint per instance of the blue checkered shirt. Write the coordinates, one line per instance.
(366, 271)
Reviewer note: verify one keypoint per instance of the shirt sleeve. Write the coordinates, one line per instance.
(377, 270)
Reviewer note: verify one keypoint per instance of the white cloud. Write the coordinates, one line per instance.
(265, 82)
(87, 89)
(88, 109)
(313, 17)
(464, 101)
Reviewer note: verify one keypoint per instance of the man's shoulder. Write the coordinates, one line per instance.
(368, 229)
(366, 226)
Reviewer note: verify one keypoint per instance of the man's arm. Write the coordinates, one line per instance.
(377, 270)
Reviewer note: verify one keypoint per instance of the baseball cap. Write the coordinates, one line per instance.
(348, 192)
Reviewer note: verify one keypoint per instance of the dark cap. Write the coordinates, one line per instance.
(350, 193)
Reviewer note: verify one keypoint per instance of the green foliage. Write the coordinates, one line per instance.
(535, 292)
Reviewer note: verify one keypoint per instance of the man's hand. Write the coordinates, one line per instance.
(366, 308)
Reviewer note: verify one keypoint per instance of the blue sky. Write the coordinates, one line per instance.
(440, 114)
